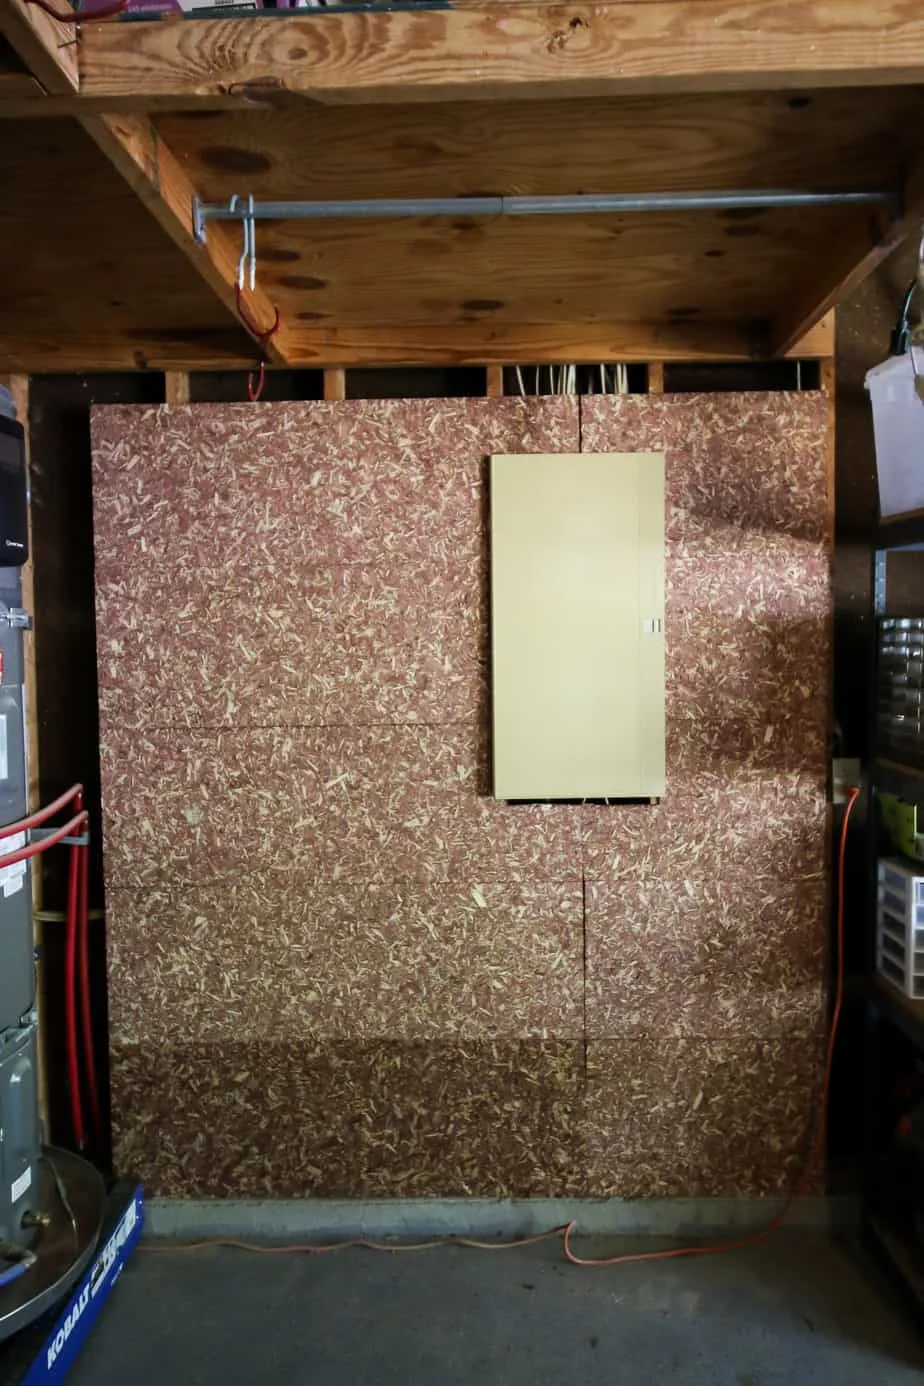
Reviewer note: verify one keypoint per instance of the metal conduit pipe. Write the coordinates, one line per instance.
(575, 204)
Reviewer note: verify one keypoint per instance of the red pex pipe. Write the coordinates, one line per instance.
(76, 931)
(70, 997)
(42, 815)
(86, 1013)
(70, 829)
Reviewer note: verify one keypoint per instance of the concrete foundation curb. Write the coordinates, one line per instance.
(334, 1219)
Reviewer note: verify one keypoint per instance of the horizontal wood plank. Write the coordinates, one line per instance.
(141, 348)
(526, 51)
(112, 350)
(21, 90)
(821, 141)
(18, 104)
(513, 344)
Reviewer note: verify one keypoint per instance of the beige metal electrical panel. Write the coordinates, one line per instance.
(577, 596)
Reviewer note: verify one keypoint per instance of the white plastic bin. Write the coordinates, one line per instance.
(898, 425)
(900, 926)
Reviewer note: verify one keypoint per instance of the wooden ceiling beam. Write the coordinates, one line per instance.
(535, 344)
(478, 344)
(46, 46)
(133, 148)
(527, 51)
(17, 103)
(866, 242)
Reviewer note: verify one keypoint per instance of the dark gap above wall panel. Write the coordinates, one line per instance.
(717, 376)
(230, 387)
(425, 382)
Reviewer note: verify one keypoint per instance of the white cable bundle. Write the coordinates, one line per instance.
(563, 380)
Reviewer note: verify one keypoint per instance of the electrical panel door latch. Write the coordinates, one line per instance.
(17, 618)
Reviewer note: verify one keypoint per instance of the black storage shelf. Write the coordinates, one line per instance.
(905, 1014)
(900, 1261)
(892, 777)
(904, 532)
(890, 1230)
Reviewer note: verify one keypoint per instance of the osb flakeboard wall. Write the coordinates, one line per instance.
(338, 967)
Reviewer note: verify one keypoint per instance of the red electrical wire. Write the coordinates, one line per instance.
(263, 337)
(70, 997)
(86, 1013)
(81, 17)
(35, 820)
(815, 1150)
(322, 1249)
(255, 391)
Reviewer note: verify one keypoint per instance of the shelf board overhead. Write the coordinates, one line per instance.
(505, 99)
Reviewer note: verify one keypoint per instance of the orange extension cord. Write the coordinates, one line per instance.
(566, 1232)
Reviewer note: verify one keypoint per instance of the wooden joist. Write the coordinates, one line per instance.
(522, 51)
(473, 345)
(725, 286)
(867, 242)
(537, 343)
(147, 165)
(46, 46)
(132, 145)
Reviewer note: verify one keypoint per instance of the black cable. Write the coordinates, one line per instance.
(900, 341)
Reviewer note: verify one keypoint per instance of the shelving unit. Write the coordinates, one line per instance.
(891, 1017)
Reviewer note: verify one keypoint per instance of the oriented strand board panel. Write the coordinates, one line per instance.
(320, 922)
(577, 652)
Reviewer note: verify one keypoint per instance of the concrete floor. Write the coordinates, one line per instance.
(798, 1311)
